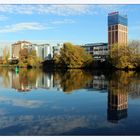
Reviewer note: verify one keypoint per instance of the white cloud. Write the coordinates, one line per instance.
(3, 18)
(64, 21)
(111, 8)
(17, 9)
(21, 102)
(65, 10)
(62, 10)
(29, 26)
(23, 26)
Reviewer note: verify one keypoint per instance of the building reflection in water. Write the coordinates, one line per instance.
(27, 80)
(118, 86)
(99, 82)
(117, 104)
(45, 81)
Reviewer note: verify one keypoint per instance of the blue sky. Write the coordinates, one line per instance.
(55, 23)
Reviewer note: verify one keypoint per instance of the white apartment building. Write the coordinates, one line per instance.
(44, 51)
(56, 49)
(99, 51)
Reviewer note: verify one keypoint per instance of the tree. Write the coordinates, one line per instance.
(33, 60)
(121, 57)
(6, 55)
(72, 56)
(134, 45)
(23, 56)
(28, 59)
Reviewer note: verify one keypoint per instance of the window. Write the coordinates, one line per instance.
(113, 33)
(112, 27)
(116, 36)
(122, 20)
(112, 20)
(109, 38)
(109, 28)
(117, 19)
(91, 48)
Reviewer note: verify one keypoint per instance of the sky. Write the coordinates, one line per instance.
(79, 24)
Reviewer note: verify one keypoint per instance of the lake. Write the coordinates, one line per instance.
(73, 102)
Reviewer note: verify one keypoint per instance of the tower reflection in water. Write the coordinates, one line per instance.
(117, 103)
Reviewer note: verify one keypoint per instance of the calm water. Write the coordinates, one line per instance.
(75, 102)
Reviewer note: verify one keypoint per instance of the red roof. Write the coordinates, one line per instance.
(113, 13)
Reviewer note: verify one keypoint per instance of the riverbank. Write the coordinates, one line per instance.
(97, 65)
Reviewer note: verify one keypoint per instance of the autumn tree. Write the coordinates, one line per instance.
(72, 56)
(23, 56)
(134, 46)
(121, 57)
(33, 60)
(28, 58)
(6, 55)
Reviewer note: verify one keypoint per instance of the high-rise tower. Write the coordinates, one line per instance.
(117, 29)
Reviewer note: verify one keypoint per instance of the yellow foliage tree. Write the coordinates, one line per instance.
(28, 58)
(72, 56)
(121, 57)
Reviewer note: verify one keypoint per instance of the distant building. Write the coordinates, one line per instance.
(44, 51)
(117, 29)
(56, 49)
(99, 51)
(16, 47)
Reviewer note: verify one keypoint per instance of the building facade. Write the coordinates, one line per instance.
(44, 51)
(56, 48)
(16, 47)
(117, 29)
(99, 51)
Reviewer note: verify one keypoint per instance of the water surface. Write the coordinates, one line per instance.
(74, 102)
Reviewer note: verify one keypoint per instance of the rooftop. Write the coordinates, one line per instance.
(95, 44)
(117, 13)
(19, 42)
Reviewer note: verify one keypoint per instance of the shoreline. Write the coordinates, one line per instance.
(99, 68)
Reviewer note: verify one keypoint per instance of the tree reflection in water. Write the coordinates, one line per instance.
(73, 79)
(119, 82)
(118, 85)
